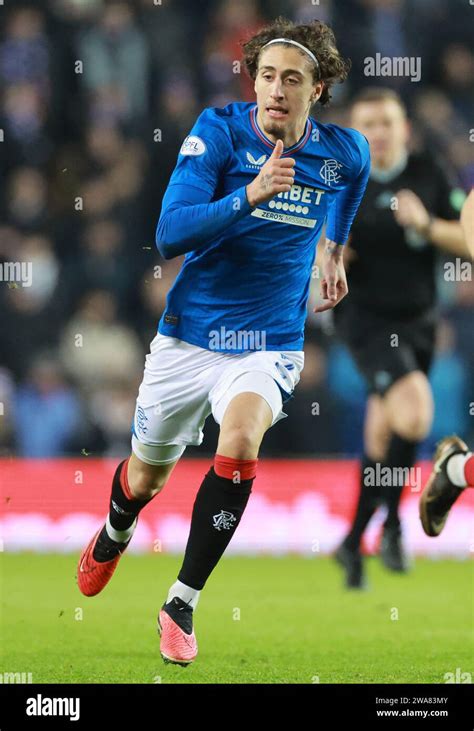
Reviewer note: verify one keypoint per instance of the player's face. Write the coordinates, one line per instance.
(285, 91)
(386, 127)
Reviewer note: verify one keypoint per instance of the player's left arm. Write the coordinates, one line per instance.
(441, 226)
(334, 281)
(341, 214)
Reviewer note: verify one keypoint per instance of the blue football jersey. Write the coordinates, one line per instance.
(247, 287)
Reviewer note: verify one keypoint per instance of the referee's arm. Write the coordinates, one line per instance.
(467, 222)
(447, 235)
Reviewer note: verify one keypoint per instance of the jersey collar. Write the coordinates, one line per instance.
(289, 150)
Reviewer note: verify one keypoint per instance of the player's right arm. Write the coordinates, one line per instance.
(190, 218)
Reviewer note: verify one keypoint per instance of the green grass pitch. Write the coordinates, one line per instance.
(259, 620)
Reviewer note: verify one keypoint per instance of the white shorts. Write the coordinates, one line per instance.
(183, 384)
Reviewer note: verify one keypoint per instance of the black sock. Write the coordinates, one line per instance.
(122, 513)
(402, 454)
(122, 510)
(369, 499)
(218, 508)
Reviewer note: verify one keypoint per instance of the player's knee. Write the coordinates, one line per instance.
(145, 482)
(144, 487)
(239, 442)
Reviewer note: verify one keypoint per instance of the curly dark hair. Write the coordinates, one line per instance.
(316, 36)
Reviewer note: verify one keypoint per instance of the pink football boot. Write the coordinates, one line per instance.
(175, 626)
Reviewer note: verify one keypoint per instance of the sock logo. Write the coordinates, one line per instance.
(119, 510)
(223, 520)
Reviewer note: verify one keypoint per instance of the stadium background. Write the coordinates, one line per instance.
(86, 157)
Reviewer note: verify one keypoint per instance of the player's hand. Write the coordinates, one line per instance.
(276, 176)
(411, 211)
(334, 282)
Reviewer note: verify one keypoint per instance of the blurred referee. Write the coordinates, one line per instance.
(389, 320)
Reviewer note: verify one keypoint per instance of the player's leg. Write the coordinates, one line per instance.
(245, 421)
(376, 438)
(134, 485)
(225, 490)
(245, 408)
(409, 408)
(453, 472)
(170, 411)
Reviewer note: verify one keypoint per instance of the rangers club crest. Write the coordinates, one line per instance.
(329, 172)
(223, 520)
